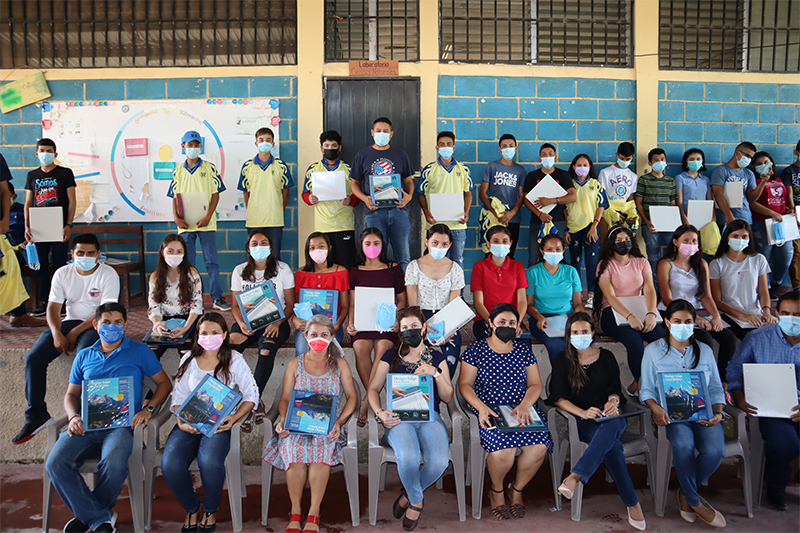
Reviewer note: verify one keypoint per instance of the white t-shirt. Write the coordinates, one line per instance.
(84, 294)
(241, 376)
(619, 183)
(283, 280)
(739, 281)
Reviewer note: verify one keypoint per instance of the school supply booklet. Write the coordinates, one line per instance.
(624, 410)
(106, 403)
(684, 396)
(410, 397)
(509, 422)
(208, 405)
(260, 305)
(151, 337)
(323, 302)
(384, 189)
(311, 413)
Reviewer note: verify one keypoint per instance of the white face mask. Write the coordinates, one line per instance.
(173, 260)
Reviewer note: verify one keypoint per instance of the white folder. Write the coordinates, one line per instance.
(636, 305)
(455, 315)
(556, 326)
(366, 306)
(547, 188)
(700, 213)
(192, 206)
(447, 207)
(771, 388)
(734, 194)
(790, 229)
(329, 185)
(665, 217)
(47, 223)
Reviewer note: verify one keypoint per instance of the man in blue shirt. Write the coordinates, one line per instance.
(778, 343)
(735, 171)
(114, 355)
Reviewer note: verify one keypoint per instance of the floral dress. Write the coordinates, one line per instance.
(308, 449)
(172, 305)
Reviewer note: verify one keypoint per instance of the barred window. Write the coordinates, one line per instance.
(153, 33)
(371, 29)
(544, 32)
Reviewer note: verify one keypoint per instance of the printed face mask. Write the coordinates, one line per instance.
(265, 147)
(582, 172)
(623, 164)
(110, 333)
(548, 162)
(412, 337)
(500, 250)
(659, 166)
(372, 251)
(319, 344)
(505, 333)
(318, 256)
(623, 247)
(790, 325)
(553, 258)
(580, 342)
(681, 332)
(446, 152)
(173, 260)
(85, 263)
(211, 343)
(259, 253)
(438, 253)
(738, 244)
(509, 153)
(382, 138)
(743, 161)
(331, 154)
(688, 250)
(694, 166)
(192, 153)
(46, 158)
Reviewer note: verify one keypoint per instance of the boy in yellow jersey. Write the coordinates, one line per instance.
(446, 175)
(198, 175)
(265, 181)
(333, 217)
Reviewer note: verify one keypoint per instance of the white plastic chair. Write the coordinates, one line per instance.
(757, 458)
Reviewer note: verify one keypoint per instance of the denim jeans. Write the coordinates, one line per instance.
(457, 248)
(533, 240)
(778, 256)
(694, 470)
(554, 345)
(114, 446)
(301, 345)
(267, 350)
(630, 338)
(275, 235)
(605, 447)
(414, 441)
(579, 245)
(36, 362)
(60, 252)
(450, 350)
(208, 242)
(396, 228)
(781, 446)
(653, 243)
(181, 449)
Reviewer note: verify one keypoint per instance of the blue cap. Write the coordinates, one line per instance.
(191, 136)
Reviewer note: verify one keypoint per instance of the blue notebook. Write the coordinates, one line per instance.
(106, 403)
(208, 404)
(323, 302)
(384, 189)
(260, 305)
(683, 395)
(311, 413)
(410, 397)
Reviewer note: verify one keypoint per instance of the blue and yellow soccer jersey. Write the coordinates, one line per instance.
(331, 216)
(580, 213)
(436, 179)
(203, 177)
(265, 183)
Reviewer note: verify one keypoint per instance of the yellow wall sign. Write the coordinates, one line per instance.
(23, 92)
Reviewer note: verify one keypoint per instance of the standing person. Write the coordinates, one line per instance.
(697, 447)
(113, 355)
(334, 218)
(446, 175)
(373, 269)
(692, 184)
(501, 193)
(547, 157)
(16, 213)
(583, 217)
(82, 286)
(211, 355)
(320, 272)
(773, 200)
(739, 281)
(413, 441)
(497, 279)
(433, 281)
(199, 175)
(265, 181)
(655, 188)
(50, 185)
(735, 171)
(620, 184)
(791, 178)
(381, 159)
(585, 383)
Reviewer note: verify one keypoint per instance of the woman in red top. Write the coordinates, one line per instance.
(320, 273)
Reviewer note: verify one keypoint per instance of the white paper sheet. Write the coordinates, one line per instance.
(636, 305)
(734, 194)
(47, 224)
(366, 306)
(193, 206)
(790, 229)
(329, 185)
(665, 217)
(771, 388)
(547, 188)
(455, 315)
(447, 207)
(556, 326)
(700, 213)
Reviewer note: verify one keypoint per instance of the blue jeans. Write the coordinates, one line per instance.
(208, 242)
(414, 441)
(630, 338)
(450, 350)
(533, 240)
(579, 245)
(114, 446)
(554, 345)
(605, 447)
(457, 248)
(301, 345)
(179, 452)
(653, 243)
(693, 470)
(36, 362)
(781, 446)
(779, 257)
(396, 228)
(275, 235)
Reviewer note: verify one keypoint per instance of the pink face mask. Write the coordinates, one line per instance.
(318, 256)
(582, 171)
(173, 260)
(688, 250)
(212, 343)
(319, 344)
(372, 251)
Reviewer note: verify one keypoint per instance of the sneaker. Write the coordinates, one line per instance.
(108, 527)
(29, 430)
(40, 311)
(777, 499)
(590, 303)
(221, 304)
(773, 293)
(76, 526)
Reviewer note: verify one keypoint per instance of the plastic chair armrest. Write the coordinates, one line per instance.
(372, 425)
(739, 421)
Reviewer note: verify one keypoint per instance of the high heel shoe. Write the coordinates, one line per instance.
(294, 518)
(205, 527)
(636, 524)
(192, 528)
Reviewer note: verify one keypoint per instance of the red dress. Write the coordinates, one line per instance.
(338, 280)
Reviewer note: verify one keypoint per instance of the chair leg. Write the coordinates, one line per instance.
(374, 478)
(577, 502)
(350, 458)
(149, 495)
(747, 485)
(127, 289)
(383, 476)
(478, 467)
(458, 473)
(47, 501)
(135, 482)
(266, 488)
(244, 482)
(440, 482)
(233, 478)
(663, 467)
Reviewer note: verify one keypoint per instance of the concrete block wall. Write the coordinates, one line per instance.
(19, 131)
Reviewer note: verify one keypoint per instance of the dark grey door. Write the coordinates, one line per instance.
(351, 104)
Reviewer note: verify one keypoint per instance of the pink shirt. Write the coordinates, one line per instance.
(627, 280)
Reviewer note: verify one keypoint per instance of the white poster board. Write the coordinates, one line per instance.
(447, 207)
(329, 185)
(47, 224)
(770, 388)
(366, 306)
(665, 217)
(547, 188)
(700, 213)
(636, 305)
(455, 315)
(734, 194)
(790, 229)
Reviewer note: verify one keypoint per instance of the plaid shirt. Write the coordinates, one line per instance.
(767, 345)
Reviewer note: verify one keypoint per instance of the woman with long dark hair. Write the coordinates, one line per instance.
(585, 383)
(679, 351)
(211, 355)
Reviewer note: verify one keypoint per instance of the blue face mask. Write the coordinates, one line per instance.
(694, 166)
(623, 164)
(548, 162)
(738, 244)
(192, 153)
(46, 158)
(110, 333)
(85, 263)
(681, 332)
(743, 161)
(790, 325)
(259, 253)
(446, 152)
(763, 169)
(382, 138)
(553, 258)
(438, 253)
(265, 147)
(500, 250)
(659, 166)
(580, 342)
(509, 153)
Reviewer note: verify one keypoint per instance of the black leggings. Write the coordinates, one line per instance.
(267, 350)
(727, 346)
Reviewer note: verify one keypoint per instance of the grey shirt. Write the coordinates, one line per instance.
(504, 183)
(739, 281)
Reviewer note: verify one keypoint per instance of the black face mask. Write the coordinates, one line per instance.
(505, 334)
(331, 154)
(623, 248)
(412, 337)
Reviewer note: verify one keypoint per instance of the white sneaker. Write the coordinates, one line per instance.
(590, 303)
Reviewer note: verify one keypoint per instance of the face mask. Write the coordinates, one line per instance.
(85, 263)
(372, 251)
(319, 344)
(438, 253)
(110, 333)
(331, 154)
(659, 166)
(211, 343)
(259, 253)
(446, 152)
(500, 250)
(790, 325)
(743, 161)
(505, 333)
(688, 250)
(623, 247)
(738, 244)
(763, 169)
(694, 166)
(681, 332)
(412, 337)
(553, 258)
(192, 153)
(382, 138)
(509, 153)
(173, 260)
(548, 162)
(623, 164)
(318, 256)
(265, 147)
(582, 172)
(46, 158)
(580, 342)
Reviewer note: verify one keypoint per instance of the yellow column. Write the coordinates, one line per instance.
(429, 76)
(645, 46)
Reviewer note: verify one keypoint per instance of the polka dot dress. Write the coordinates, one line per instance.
(501, 380)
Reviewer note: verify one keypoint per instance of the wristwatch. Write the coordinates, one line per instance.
(377, 418)
(150, 408)
(437, 373)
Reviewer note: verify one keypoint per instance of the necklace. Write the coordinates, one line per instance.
(592, 360)
(424, 357)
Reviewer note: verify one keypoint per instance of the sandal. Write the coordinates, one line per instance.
(397, 510)
(260, 413)
(311, 519)
(205, 527)
(362, 417)
(517, 509)
(409, 524)
(191, 528)
(247, 425)
(501, 511)
(294, 518)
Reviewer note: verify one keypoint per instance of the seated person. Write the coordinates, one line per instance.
(82, 286)
(773, 344)
(114, 355)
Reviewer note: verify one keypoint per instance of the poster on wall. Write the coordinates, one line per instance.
(123, 153)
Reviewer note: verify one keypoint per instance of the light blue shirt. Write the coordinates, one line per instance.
(766, 345)
(693, 189)
(724, 174)
(657, 358)
(553, 292)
